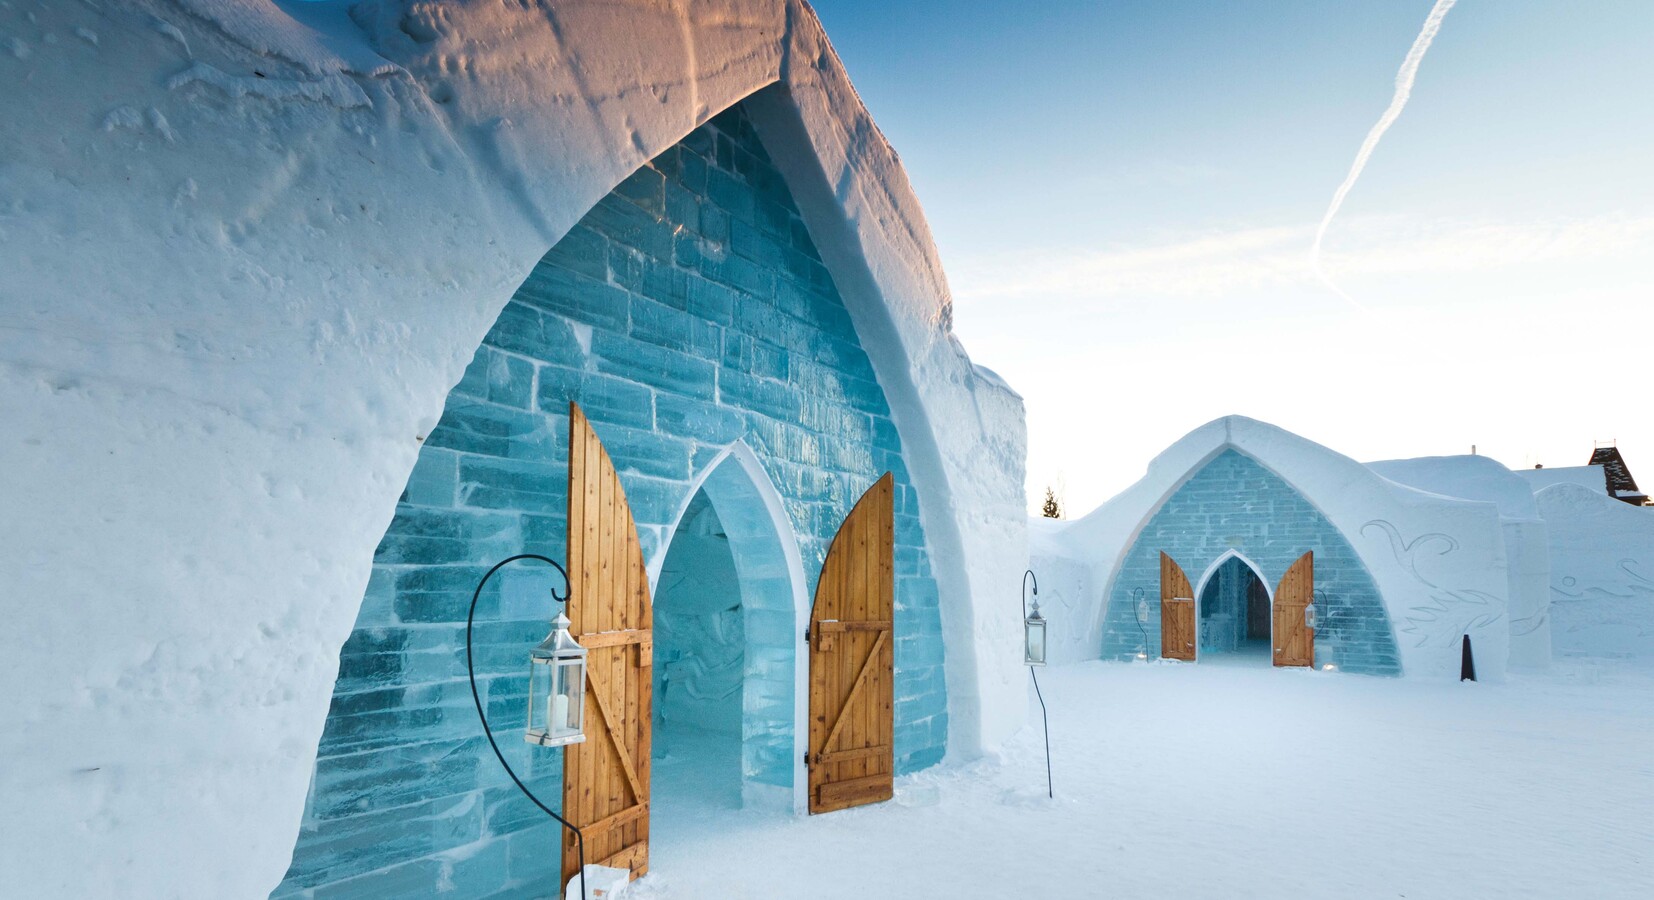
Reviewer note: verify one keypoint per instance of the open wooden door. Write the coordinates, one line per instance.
(1177, 612)
(1294, 640)
(606, 778)
(852, 757)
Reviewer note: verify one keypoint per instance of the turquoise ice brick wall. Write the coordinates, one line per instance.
(1233, 502)
(687, 310)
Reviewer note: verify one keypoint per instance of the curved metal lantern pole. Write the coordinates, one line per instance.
(1045, 722)
(1139, 603)
(471, 672)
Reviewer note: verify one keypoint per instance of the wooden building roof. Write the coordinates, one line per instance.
(1620, 483)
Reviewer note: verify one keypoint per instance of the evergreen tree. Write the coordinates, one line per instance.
(1052, 509)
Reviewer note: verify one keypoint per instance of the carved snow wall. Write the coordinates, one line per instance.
(1602, 574)
(1527, 555)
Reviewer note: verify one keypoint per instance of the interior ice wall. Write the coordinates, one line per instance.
(699, 639)
(1223, 606)
(250, 247)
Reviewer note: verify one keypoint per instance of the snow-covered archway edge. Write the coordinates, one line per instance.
(245, 259)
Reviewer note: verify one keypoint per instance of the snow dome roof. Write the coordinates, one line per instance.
(1470, 477)
(1592, 477)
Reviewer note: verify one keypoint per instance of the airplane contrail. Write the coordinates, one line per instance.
(1404, 89)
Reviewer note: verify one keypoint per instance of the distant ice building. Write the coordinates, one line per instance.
(1239, 527)
(1245, 541)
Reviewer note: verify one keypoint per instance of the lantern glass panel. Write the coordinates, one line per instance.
(1033, 653)
(556, 689)
(568, 700)
(540, 676)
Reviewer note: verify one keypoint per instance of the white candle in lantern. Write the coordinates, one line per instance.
(558, 706)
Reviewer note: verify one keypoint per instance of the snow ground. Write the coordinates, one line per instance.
(1232, 780)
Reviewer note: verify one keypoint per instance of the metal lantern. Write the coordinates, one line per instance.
(556, 689)
(1316, 601)
(1033, 638)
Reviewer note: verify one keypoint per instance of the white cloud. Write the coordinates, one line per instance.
(1404, 89)
(1480, 333)
(1250, 259)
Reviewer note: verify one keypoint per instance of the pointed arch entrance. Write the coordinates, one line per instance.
(1233, 601)
(1231, 505)
(735, 661)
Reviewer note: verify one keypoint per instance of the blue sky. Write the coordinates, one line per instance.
(1124, 196)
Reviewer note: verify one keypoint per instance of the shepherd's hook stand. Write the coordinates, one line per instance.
(1138, 607)
(1045, 722)
(471, 672)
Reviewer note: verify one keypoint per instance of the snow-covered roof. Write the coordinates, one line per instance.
(1469, 477)
(1592, 477)
(1620, 482)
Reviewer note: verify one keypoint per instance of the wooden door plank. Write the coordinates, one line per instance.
(854, 792)
(840, 626)
(880, 723)
(604, 669)
(876, 718)
(857, 714)
(616, 821)
(635, 857)
(601, 639)
(591, 495)
(640, 698)
(871, 752)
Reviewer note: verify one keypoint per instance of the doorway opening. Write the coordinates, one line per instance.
(1235, 612)
(730, 610)
(700, 661)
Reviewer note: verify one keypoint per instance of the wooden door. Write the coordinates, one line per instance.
(606, 777)
(852, 757)
(1177, 612)
(1294, 642)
